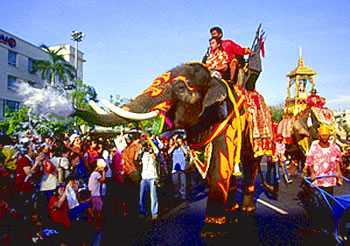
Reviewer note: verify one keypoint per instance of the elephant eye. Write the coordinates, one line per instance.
(180, 87)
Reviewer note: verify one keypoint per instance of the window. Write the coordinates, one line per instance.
(11, 83)
(30, 65)
(12, 58)
(12, 106)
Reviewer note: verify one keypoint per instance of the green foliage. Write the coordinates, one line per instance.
(55, 67)
(347, 129)
(81, 97)
(11, 124)
(277, 112)
(15, 122)
(118, 101)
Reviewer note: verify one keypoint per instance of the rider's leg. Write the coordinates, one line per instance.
(233, 69)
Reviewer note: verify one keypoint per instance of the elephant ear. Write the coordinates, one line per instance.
(216, 93)
(300, 127)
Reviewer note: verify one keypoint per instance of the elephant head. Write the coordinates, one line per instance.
(306, 126)
(184, 94)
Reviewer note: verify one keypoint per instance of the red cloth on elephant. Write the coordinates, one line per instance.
(324, 162)
(315, 101)
(260, 120)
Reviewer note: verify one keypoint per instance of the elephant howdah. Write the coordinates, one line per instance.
(221, 121)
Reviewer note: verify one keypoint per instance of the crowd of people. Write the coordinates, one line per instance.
(60, 185)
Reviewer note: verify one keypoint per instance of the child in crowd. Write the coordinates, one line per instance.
(97, 177)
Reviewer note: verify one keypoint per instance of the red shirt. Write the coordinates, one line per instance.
(24, 161)
(93, 155)
(232, 49)
(315, 101)
(59, 215)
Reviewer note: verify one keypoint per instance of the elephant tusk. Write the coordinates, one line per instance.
(95, 107)
(129, 115)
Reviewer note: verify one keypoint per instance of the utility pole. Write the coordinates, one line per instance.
(77, 36)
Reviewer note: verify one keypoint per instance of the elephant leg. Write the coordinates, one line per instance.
(231, 204)
(215, 217)
(219, 178)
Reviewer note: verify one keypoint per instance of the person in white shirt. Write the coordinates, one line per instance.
(148, 180)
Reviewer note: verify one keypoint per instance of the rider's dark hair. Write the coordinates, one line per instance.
(216, 28)
(218, 41)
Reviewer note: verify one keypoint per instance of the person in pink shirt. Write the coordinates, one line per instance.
(324, 158)
(97, 177)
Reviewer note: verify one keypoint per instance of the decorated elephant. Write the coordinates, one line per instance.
(301, 132)
(218, 120)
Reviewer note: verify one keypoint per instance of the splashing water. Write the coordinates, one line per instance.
(42, 103)
(46, 101)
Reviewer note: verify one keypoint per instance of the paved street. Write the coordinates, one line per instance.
(281, 221)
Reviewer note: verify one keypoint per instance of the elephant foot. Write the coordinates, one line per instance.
(214, 227)
(232, 214)
(248, 203)
(234, 208)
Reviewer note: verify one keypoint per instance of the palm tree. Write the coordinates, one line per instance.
(56, 65)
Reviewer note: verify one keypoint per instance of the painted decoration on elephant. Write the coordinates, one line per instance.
(185, 80)
(157, 87)
(163, 106)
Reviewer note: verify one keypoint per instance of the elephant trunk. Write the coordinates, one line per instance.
(141, 108)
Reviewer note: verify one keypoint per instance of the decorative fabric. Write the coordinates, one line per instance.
(215, 219)
(324, 115)
(232, 127)
(285, 127)
(326, 118)
(260, 123)
(324, 162)
(202, 159)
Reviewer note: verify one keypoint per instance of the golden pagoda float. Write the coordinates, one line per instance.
(304, 114)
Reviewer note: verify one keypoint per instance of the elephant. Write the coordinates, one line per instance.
(214, 116)
(305, 131)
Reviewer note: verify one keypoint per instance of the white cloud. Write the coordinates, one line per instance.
(341, 102)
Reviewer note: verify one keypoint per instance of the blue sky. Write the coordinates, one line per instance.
(129, 43)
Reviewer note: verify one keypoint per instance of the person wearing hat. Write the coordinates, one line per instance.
(323, 158)
(315, 100)
(281, 159)
(97, 178)
(75, 140)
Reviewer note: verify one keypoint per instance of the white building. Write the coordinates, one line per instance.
(16, 63)
(343, 117)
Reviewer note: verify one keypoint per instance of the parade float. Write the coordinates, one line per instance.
(304, 114)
